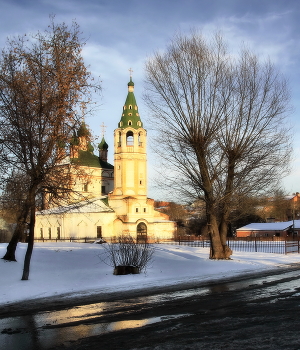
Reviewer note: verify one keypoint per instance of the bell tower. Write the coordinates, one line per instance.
(130, 157)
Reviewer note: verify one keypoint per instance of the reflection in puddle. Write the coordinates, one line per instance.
(52, 335)
(46, 330)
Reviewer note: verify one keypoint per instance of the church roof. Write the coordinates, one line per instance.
(269, 226)
(130, 116)
(95, 205)
(86, 158)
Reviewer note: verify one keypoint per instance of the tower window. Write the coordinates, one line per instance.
(130, 107)
(129, 138)
(130, 122)
(103, 189)
(136, 210)
(145, 209)
(140, 182)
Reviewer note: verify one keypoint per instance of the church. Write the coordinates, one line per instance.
(112, 200)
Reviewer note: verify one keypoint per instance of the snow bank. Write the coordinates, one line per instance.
(58, 268)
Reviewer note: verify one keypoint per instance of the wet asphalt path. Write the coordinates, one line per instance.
(255, 312)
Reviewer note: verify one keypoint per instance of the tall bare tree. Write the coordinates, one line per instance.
(44, 89)
(220, 123)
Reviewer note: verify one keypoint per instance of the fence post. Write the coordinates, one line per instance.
(285, 248)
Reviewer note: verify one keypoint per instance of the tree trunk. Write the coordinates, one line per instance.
(17, 235)
(219, 248)
(30, 240)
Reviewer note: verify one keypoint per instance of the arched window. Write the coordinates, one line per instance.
(119, 141)
(140, 143)
(141, 232)
(129, 138)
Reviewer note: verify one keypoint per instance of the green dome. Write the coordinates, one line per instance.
(130, 116)
(83, 130)
(103, 145)
(131, 83)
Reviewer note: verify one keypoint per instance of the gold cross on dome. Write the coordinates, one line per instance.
(103, 127)
(130, 72)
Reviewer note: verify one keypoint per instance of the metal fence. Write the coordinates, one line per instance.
(278, 245)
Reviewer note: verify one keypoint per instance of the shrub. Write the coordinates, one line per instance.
(126, 255)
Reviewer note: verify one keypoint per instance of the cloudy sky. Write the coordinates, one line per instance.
(123, 33)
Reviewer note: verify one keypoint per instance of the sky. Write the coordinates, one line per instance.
(123, 34)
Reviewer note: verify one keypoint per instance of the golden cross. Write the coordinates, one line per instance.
(103, 127)
(130, 71)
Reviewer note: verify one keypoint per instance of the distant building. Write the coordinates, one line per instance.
(270, 229)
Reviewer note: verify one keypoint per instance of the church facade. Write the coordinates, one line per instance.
(113, 199)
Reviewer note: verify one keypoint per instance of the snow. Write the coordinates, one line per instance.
(270, 226)
(59, 268)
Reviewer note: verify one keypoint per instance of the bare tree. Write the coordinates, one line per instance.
(220, 123)
(44, 89)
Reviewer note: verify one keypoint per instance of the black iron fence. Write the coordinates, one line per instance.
(71, 239)
(278, 245)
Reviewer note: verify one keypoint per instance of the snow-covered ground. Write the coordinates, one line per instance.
(58, 268)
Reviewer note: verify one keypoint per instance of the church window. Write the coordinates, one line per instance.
(138, 123)
(103, 189)
(141, 182)
(99, 231)
(136, 210)
(140, 140)
(130, 122)
(120, 138)
(41, 233)
(85, 187)
(49, 232)
(130, 114)
(58, 232)
(135, 107)
(129, 138)
(145, 210)
(130, 106)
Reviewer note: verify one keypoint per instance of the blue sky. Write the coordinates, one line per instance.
(122, 34)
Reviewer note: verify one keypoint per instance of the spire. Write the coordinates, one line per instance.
(130, 116)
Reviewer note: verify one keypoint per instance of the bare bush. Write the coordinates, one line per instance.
(126, 255)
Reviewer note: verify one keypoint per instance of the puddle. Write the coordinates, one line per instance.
(18, 336)
(45, 330)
